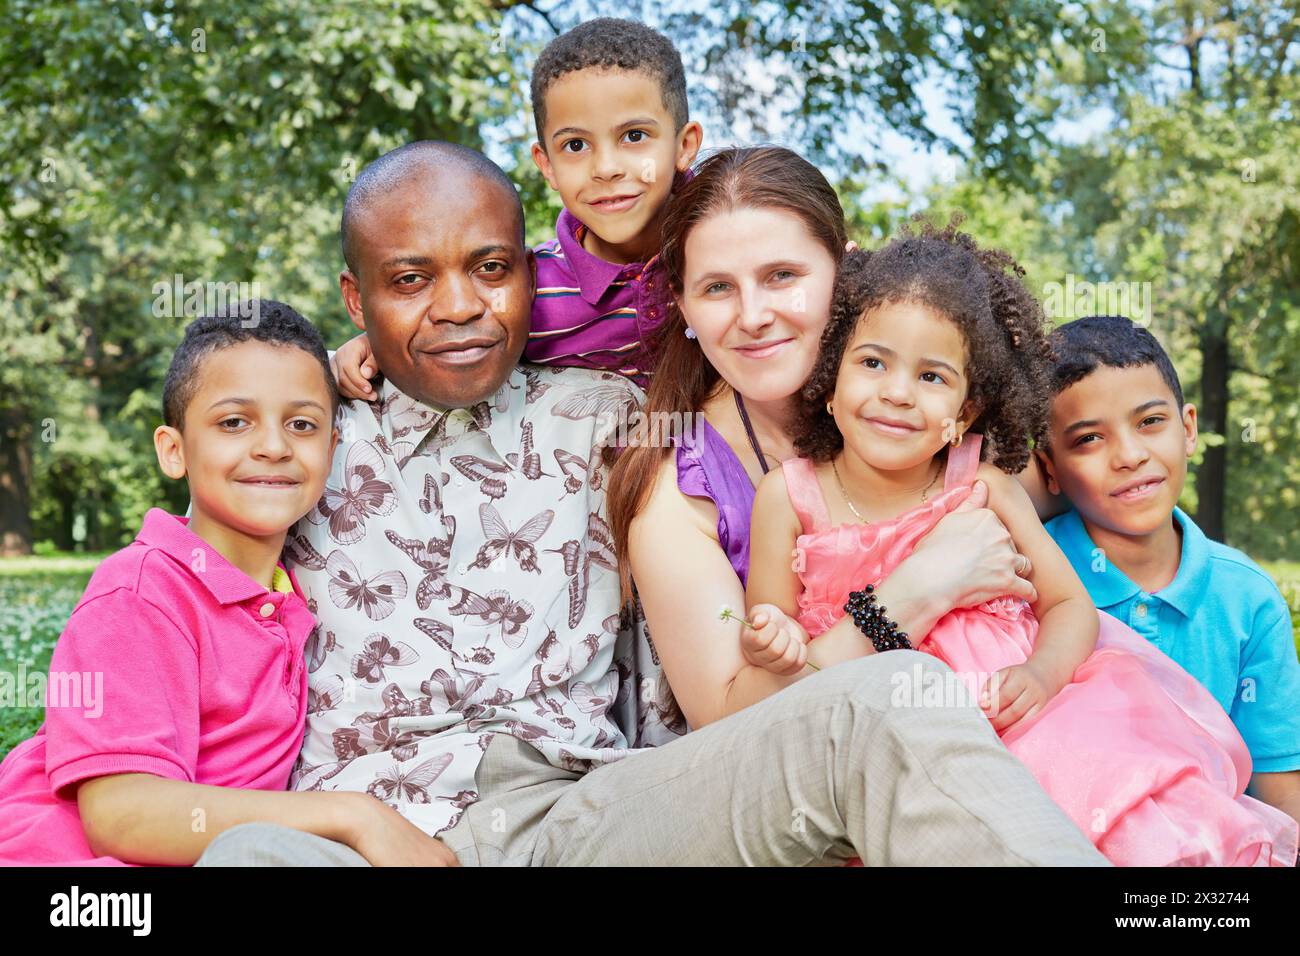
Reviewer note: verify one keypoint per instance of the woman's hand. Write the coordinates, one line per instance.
(776, 642)
(969, 557)
(353, 366)
(1013, 694)
(966, 559)
(386, 838)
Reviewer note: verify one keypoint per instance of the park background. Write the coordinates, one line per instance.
(1150, 145)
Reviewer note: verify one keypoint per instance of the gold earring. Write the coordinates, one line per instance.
(957, 441)
(828, 410)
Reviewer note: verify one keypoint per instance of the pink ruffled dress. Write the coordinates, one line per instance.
(1134, 750)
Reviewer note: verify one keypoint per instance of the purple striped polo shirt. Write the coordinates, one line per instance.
(591, 313)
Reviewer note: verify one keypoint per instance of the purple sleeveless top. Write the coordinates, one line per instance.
(708, 468)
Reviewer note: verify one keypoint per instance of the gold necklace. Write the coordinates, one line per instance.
(848, 501)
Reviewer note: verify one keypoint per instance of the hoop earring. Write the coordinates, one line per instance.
(957, 443)
(690, 332)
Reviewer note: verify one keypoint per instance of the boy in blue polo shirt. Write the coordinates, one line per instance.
(1118, 443)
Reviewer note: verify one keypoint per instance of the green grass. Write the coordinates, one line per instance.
(37, 595)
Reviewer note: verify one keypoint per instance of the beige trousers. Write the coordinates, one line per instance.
(842, 764)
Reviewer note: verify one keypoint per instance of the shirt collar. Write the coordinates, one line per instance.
(403, 419)
(593, 274)
(171, 535)
(1190, 584)
(1109, 585)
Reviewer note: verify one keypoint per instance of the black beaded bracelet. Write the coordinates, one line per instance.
(870, 618)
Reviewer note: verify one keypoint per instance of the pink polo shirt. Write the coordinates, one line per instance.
(174, 663)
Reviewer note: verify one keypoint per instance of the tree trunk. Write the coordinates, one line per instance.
(15, 482)
(1212, 477)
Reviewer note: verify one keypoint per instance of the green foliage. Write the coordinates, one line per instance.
(146, 139)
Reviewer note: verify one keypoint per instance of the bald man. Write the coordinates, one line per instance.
(461, 569)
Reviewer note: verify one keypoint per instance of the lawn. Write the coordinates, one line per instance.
(38, 594)
(36, 597)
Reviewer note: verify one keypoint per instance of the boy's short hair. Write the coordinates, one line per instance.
(273, 322)
(1113, 341)
(610, 44)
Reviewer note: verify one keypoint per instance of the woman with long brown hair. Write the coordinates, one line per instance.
(750, 248)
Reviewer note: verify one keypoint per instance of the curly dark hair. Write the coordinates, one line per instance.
(610, 44)
(1008, 356)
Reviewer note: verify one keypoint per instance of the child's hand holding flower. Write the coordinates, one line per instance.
(772, 640)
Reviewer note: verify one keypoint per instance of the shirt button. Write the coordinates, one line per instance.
(267, 609)
(1141, 610)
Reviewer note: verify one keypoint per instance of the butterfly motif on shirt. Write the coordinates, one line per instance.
(578, 470)
(526, 731)
(441, 634)
(379, 652)
(402, 452)
(459, 692)
(382, 406)
(561, 661)
(397, 704)
(579, 556)
(665, 708)
(363, 494)
(405, 415)
(319, 644)
(347, 743)
(497, 609)
(588, 700)
(432, 558)
(326, 695)
(376, 596)
(311, 778)
(536, 387)
(483, 471)
(546, 706)
(431, 498)
(300, 551)
(403, 744)
(593, 402)
(396, 786)
(527, 461)
(517, 544)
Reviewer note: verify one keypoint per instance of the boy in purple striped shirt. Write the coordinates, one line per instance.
(613, 139)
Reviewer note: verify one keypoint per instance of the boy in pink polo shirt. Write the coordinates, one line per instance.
(178, 692)
(614, 139)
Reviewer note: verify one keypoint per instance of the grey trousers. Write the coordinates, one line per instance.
(841, 764)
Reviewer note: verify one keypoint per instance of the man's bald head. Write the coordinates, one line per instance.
(406, 163)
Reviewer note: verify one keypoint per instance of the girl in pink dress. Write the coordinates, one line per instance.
(934, 351)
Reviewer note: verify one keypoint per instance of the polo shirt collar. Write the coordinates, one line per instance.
(593, 274)
(1109, 586)
(403, 419)
(1190, 584)
(171, 535)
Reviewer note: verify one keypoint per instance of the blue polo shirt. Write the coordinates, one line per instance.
(1222, 618)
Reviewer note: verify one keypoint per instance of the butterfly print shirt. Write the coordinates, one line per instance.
(463, 576)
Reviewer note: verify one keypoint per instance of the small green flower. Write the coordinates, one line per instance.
(727, 614)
